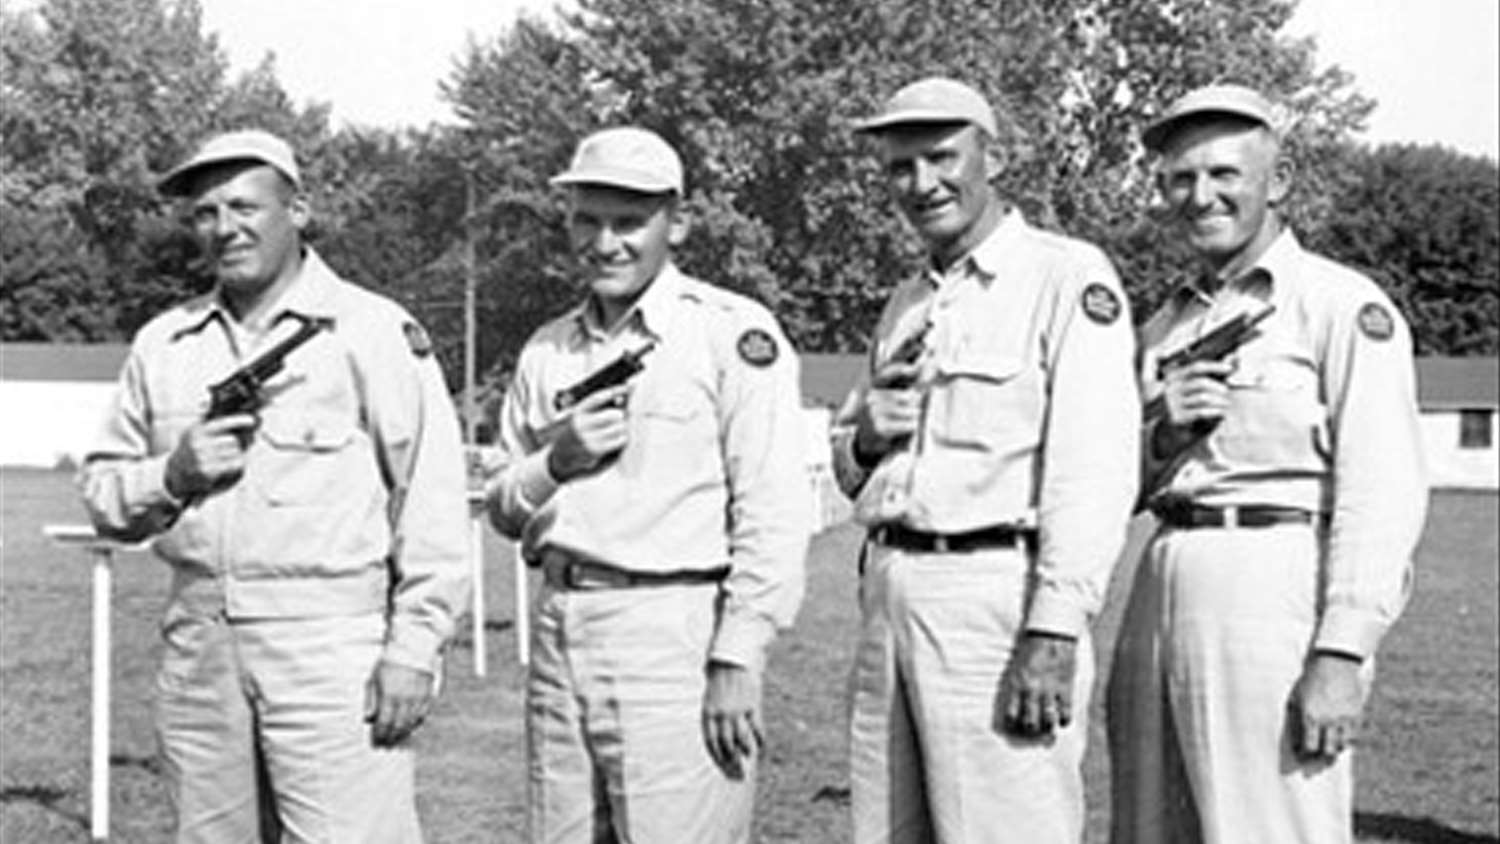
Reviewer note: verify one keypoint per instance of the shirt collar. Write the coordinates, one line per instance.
(985, 260)
(309, 296)
(1269, 272)
(652, 312)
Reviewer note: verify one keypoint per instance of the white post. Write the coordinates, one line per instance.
(522, 608)
(101, 554)
(476, 570)
(99, 709)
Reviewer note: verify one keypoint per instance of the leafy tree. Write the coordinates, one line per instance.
(99, 96)
(759, 95)
(1424, 222)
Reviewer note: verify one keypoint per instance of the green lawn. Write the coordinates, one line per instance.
(1428, 769)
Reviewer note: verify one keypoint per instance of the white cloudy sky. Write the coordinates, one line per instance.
(1433, 65)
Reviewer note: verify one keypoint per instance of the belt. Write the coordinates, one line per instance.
(1185, 515)
(564, 571)
(907, 539)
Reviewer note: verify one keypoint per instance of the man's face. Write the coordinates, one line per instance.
(249, 221)
(622, 238)
(940, 177)
(1220, 182)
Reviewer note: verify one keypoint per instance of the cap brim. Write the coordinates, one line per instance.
(176, 182)
(627, 180)
(1156, 135)
(914, 117)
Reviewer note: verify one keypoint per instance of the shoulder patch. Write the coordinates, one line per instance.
(1375, 322)
(417, 339)
(1101, 304)
(757, 347)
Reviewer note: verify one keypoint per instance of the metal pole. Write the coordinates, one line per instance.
(470, 282)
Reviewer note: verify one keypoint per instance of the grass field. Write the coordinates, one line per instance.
(1428, 769)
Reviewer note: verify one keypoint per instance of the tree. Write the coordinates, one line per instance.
(1424, 222)
(759, 95)
(99, 96)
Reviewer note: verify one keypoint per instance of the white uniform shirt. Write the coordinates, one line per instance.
(1030, 413)
(714, 470)
(1322, 416)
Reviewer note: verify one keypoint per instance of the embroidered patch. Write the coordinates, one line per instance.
(1375, 322)
(757, 347)
(421, 345)
(1101, 304)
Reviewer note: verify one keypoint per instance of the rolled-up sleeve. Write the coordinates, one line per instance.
(420, 450)
(770, 502)
(1380, 489)
(1090, 462)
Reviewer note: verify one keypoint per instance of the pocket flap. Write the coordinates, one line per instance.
(991, 366)
(324, 432)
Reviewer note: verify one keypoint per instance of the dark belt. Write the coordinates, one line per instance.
(562, 571)
(1185, 515)
(921, 541)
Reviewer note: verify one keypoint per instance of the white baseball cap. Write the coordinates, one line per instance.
(625, 157)
(935, 99)
(242, 145)
(1235, 100)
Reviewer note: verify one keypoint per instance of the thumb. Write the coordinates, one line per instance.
(372, 698)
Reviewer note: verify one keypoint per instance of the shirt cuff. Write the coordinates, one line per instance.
(535, 485)
(1052, 612)
(413, 645)
(1351, 631)
(851, 476)
(742, 640)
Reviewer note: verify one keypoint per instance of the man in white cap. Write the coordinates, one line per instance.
(993, 462)
(316, 530)
(1287, 480)
(668, 512)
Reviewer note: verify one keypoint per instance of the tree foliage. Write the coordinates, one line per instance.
(1424, 222)
(759, 96)
(97, 97)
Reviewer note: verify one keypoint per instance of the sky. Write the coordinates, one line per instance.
(1432, 65)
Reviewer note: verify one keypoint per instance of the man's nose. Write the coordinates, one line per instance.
(924, 176)
(1201, 192)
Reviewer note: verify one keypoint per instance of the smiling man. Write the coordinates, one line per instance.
(669, 516)
(994, 471)
(1287, 481)
(318, 547)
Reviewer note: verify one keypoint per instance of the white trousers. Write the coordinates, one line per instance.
(1217, 631)
(929, 760)
(250, 709)
(614, 721)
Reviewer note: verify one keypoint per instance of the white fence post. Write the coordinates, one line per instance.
(101, 554)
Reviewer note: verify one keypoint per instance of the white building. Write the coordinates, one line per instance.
(52, 397)
(1460, 398)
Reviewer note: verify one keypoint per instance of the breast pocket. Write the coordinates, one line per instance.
(672, 433)
(305, 458)
(986, 401)
(1275, 417)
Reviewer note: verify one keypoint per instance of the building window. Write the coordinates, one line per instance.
(1476, 428)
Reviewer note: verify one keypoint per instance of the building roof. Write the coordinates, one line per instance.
(62, 361)
(1447, 383)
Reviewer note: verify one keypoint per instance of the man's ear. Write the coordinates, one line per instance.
(299, 209)
(994, 159)
(1282, 172)
(678, 223)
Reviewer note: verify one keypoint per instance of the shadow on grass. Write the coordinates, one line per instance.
(150, 764)
(1382, 826)
(46, 796)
